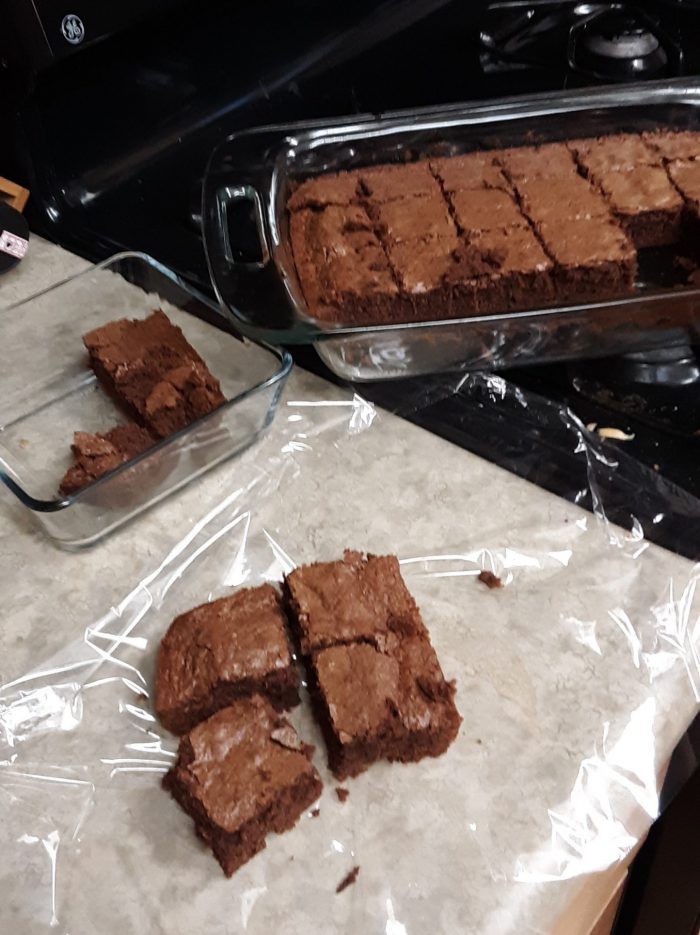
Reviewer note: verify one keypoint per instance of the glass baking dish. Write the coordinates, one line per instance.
(249, 179)
(47, 392)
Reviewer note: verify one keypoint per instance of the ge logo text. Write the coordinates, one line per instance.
(73, 29)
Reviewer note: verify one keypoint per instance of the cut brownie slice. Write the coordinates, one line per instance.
(595, 259)
(486, 209)
(218, 652)
(386, 183)
(674, 144)
(523, 278)
(646, 204)
(415, 218)
(382, 705)
(357, 598)
(153, 371)
(558, 199)
(240, 775)
(686, 177)
(96, 454)
(549, 161)
(469, 172)
(429, 273)
(339, 189)
(621, 152)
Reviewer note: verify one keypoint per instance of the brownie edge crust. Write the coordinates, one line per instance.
(240, 775)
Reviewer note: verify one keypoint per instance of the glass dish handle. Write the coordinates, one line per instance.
(227, 196)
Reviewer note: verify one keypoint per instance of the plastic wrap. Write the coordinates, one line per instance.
(576, 680)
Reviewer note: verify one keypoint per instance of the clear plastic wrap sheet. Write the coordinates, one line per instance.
(576, 680)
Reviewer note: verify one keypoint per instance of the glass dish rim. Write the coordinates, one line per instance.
(283, 357)
(308, 135)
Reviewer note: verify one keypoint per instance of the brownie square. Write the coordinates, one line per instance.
(357, 598)
(686, 177)
(96, 454)
(431, 274)
(549, 161)
(621, 152)
(386, 183)
(674, 144)
(469, 172)
(154, 372)
(373, 704)
(339, 189)
(486, 209)
(222, 650)
(414, 218)
(646, 204)
(240, 775)
(594, 259)
(558, 199)
(523, 278)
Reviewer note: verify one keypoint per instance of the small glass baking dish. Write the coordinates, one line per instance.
(255, 278)
(47, 392)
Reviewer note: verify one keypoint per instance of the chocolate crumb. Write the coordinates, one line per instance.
(315, 812)
(490, 580)
(347, 880)
(341, 793)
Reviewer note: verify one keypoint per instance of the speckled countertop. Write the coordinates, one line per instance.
(575, 681)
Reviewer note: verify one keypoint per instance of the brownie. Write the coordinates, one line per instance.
(414, 218)
(560, 200)
(674, 144)
(386, 183)
(549, 161)
(621, 152)
(646, 204)
(686, 177)
(382, 704)
(153, 372)
(342, 266)
(469, 172)
(240, 775)
(357, 598)
(96, 454)
(427, 273)
(523, 277)
(485, 209)
(223, 650)
(339, 189)
(594, 258)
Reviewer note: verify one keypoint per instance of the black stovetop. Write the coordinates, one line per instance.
(114, 143)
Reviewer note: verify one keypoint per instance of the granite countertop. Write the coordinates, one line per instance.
(562, 703)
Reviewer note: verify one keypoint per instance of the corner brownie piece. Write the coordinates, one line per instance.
(96, 454)
(356, 598)
(223, 650)
(594, 258)
(240, 775)
(339, 189)
(646, 204)
(373, 704)
(154, 372)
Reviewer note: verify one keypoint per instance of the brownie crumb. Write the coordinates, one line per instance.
(341, 793)
(490, 580)
(347, 880)
(315, 812)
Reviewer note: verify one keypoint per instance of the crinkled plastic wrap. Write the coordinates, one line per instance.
(575, 680)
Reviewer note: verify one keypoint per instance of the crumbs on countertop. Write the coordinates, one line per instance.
(347, 880)
(341, 793)
(490, 580)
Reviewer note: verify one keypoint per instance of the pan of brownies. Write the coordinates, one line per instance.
(467, 237)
